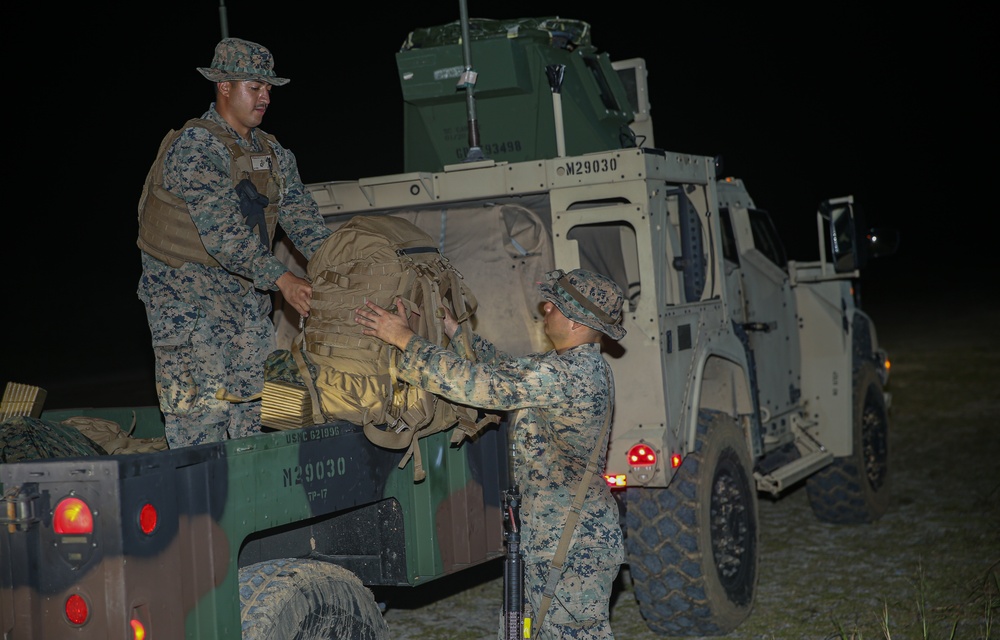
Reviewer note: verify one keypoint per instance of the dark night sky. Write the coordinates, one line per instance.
(896, 109)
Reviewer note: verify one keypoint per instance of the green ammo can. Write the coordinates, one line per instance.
(516, 63)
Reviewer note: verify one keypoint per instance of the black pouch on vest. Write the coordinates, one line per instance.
(252, 205)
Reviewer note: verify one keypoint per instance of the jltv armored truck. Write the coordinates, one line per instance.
(741, 372)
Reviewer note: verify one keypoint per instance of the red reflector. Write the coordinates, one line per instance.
(76, 609)
(148, 517)
(72, 515)
(641, 456)
(675, 460)
(138, 631)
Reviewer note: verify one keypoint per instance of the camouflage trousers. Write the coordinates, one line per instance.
(218, 342)
(581, 600)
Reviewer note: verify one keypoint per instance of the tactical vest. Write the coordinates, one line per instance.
(167, 231)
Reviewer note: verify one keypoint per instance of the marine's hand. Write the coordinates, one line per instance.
(385, 325)
(296, 291)
(449, 321)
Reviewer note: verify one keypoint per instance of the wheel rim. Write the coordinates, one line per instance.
(732, 528)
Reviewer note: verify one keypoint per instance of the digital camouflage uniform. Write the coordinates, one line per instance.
(210, 327)
(563, 401)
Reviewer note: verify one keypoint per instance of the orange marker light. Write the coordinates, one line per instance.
(615, 481)
(140, 622)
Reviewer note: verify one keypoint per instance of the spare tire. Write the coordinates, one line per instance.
(307, 600)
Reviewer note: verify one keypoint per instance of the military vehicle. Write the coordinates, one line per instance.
(527, 149)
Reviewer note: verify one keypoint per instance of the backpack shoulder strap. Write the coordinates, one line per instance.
(556, 568)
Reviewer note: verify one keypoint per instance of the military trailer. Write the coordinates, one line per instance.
(742, 373)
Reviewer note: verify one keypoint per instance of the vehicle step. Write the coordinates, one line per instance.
(783, 477)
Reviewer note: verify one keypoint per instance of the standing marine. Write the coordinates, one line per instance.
(212, 202)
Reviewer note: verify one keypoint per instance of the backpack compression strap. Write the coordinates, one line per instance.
(317, 412)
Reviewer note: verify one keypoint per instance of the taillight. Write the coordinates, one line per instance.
(76, 609)
(72, 516)
(641, 455)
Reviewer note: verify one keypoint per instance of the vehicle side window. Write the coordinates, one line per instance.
(766, 239)
(610, 248)
(728, 237)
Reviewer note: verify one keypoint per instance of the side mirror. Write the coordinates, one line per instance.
(843, 245)
(839, 222)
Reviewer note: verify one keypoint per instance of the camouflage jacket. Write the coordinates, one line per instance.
(562, 401)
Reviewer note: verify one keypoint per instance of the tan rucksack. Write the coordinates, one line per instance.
(112, 437)
(353, 376)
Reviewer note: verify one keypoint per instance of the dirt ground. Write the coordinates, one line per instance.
(928, 570)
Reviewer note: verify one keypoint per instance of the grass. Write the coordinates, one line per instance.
(985, 597)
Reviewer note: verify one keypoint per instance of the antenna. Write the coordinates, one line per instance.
(468, 81)
(556, 73)
(223, 21)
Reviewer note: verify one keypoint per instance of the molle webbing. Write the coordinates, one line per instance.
(355, 377)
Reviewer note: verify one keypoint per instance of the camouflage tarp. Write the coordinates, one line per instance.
(26, 438)
(562, 32)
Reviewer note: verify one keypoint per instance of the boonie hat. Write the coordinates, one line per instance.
(588, 298)
(237, 59)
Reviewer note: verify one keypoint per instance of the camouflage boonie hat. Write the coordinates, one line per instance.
(237, 59)
(588, 298)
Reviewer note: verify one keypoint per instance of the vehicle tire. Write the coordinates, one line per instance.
(692, 546)
(307, 600)
(854, 489)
